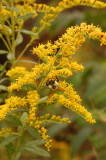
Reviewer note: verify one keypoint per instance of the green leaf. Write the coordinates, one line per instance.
(35, 143)
(25, 17)
(24, 31)
(3, 88)
(18, 155)
(42, 100)
(10, 57)
(15, 9)
(13, 119)
(80, 138)
(55, 129)
(3, 79)
(19, 40)
(8, 140)
(36, 151)
(23, 118)
(10, 150)
(33, 132)
(25, 61)
(2, 67)
(2, 97)
(16, 111)
(3, 52)
(97, 141)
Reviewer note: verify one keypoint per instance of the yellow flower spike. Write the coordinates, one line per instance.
(56, 62)
(52, 75)
(76, 67)
(4, 14)
(52, 98)
(11, 104)
(33, 98)
(76, 107)
(16, 72)
(27, 78)
(64, 62)
(64, 72)
(63, 84)
(59, 120)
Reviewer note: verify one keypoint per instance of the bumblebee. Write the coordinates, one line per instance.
(53, 84)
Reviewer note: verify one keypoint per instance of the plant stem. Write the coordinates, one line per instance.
(13, 24)
(18, 143)
(23, 51)
(43, 81)
(6, 44)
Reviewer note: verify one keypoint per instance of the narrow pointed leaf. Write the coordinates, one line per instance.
(36, 151)
(8, 140)
(24, 31)
(33, 132)
(19, 40)
(16, 111)
(3, 52)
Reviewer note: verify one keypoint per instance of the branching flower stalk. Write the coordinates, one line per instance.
(55, 62)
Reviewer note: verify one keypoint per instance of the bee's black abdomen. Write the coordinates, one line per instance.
(53, 87)
(51, 82)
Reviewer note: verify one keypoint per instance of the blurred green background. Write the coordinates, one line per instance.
(79, 140)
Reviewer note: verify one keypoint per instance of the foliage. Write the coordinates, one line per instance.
(51, 73)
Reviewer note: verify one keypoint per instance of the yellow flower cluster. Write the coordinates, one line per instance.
(58, 119)
(76, 107)
(11, 103)
(76, 67)
(30, 8)
(52, 98)
(53, 118)
(32, 99)
(56, 62)
(4, 13)
(71, 3)
(52, 12)
(5, 29)
(27, 78)
(43, 132)
(17, 72)
(72, 101)
(26, 9)
(62, 50)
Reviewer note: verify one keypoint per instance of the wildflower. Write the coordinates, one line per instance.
(11, 103)
(76, 107)
(52, 98)
(32, 99)
(16, 72)
(45, 137)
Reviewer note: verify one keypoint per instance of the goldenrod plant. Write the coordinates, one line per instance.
(55, 64)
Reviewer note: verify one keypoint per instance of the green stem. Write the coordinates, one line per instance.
(6, 44)
(18, 143)
(43, 81)
(9, 43)
(13, 30)
(21, 54)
